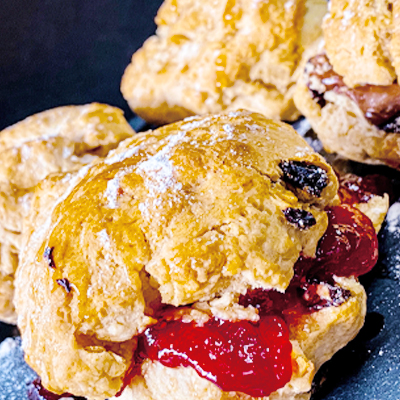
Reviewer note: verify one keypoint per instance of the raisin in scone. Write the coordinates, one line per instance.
(350, 92)
(202, 260)
(56, 140)
(209, 56)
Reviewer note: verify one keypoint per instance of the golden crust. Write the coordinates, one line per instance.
(315, 338)
(186, 213)
(362, 39)
(342, 128)
(57, 140)
(210, 56)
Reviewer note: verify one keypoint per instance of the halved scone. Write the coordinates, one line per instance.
(200, 259)
(350, 90)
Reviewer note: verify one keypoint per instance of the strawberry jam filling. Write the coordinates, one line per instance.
(254, 358)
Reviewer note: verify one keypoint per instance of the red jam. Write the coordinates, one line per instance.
(253, 358)
(349, 245)
(356, 189)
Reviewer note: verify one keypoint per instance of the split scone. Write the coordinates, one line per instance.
(208, 259)
(209, 56)
(58, 140)
(350, 92)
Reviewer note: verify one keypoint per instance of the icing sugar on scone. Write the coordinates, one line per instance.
(58, 140)
(210, 56)
(350, 91)
(211, 225)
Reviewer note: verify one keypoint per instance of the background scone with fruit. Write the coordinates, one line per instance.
(175, 229)
(58, 140)
(210, 56)
(350, 92)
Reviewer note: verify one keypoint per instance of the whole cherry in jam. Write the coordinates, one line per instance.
(349, 245)
(244, 356)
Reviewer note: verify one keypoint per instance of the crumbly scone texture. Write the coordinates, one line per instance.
(189, 212)
(362, 39)
(57, 140)
(342, 128)
(209, 56)
(315, 338)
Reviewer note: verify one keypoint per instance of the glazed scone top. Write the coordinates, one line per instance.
(210, 55)
(58, 140)
(362, 39)
(186, 213)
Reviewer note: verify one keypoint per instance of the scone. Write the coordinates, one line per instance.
(209, 56)
(208, 259)
(58, 140)
(350, 91)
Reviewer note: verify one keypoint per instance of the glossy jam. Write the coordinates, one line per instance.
(253, 358)
(349, 246)
(356, 189)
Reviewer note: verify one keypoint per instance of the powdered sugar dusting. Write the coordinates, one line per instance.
(119, 157)
(393, 219)
(104, 239)
(288, 5)
(111, 192)
(347, 16)
(195, 124)
(15, 374)
(158, 174)
(229, 129)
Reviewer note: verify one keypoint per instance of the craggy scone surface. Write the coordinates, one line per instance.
(190, 212)
(209, 56)
(58, 140)
(362, 40)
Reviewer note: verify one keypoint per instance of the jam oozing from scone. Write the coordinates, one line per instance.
(253, 358)
(380, 104)
(349, 247)
(355, 189)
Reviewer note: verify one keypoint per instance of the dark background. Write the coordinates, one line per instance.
(55, 52)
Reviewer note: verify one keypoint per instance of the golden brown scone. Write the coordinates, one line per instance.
(352, 98)
(209, 56)
(191, 212)
(57, 140)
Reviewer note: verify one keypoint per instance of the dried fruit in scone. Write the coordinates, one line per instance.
(209, 56)
(350, 91)
(57, 140)
(193, 258)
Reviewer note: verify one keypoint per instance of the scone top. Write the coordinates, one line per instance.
(185, 213)
(209, 56)
(362, 41)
